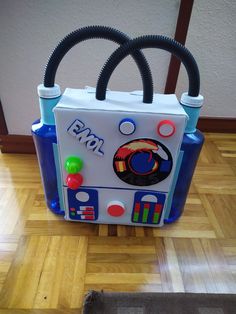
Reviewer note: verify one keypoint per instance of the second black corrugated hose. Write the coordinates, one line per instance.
(150, 41)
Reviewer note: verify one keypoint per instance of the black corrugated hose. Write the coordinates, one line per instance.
(104, 32)
(150, 41)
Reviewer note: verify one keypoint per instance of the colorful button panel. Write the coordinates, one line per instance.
(148, 207)
(83, 204)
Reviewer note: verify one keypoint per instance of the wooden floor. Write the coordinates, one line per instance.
(48, 264)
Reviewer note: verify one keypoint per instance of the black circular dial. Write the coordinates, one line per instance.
(142, 162)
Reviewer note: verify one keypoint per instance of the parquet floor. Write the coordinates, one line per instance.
(48, 264)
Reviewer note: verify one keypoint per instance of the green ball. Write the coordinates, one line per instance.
(73, 164)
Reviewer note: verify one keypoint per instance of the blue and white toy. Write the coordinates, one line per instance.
(127, 159)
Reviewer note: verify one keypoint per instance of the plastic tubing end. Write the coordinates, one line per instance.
(191, 101)
(49, 92)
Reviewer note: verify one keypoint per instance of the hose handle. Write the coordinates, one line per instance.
(91, 32)
(150, 41)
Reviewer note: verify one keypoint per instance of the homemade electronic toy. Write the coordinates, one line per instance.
(118, 157)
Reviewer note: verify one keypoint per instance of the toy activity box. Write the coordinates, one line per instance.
(114, 157)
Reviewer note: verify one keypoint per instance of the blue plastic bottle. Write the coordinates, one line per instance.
(44, 136)
(190, 149)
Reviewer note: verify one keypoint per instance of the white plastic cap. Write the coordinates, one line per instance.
(49, 92)
(191, 101)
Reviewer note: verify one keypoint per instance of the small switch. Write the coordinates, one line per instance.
(166, 128)
(73, 164)
(115, 208)
(127, 126)
(74, 181)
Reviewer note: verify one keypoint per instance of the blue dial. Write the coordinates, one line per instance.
(142, 162)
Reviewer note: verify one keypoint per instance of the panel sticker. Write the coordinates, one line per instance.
(83, 204)
(148, 207)
(85, 136)
(142, 162)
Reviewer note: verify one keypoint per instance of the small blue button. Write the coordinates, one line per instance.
(165, 166)
(127, 126)
(141, 162)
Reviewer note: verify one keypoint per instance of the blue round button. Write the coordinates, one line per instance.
(127, 126)
(141, 163)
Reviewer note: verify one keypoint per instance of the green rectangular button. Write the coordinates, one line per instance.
(136, 216)
(145, 215)
(155, 218)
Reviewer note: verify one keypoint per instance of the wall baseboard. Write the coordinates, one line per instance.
(3, 125)
(20, 144)
(217, 125)
(24, 143)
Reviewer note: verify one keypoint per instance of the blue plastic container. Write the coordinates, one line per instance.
(190, 150)
(191, 147)
(44, 136)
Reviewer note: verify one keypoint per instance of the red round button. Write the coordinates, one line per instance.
(166, 128)
(115, 208)
(74, 181)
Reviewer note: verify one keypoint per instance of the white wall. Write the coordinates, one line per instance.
(30, 29)
(212, 40)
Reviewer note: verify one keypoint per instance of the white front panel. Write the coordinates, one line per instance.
(95, 135)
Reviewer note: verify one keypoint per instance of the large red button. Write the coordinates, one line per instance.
(74, 181)
(166, 128)
(115, 208)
